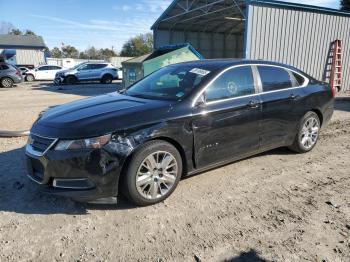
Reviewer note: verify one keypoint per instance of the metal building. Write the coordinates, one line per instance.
(26, 50)
(295, 34)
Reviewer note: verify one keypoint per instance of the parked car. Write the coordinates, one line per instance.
(9, 75)
(103, 72)
(120, 73)
(44, 72)
(180, 120)
(24, 70)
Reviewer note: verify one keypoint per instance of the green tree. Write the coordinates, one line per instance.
(29, 32)
(139, 45)
(92, 53)
(70, 51)
(345, 5)
(15, 32)
(83, 55)
(56, 52)
(105, 53)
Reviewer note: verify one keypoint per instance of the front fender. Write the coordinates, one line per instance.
(177, 133)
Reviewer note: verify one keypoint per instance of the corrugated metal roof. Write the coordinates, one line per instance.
(180, 11)
(305, 7)
(203, 15)
(21, 41)
(137, 60)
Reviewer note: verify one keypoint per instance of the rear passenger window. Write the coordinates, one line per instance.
(274, 78)
(298, 79)
(99, 66)
(235, 82)
(4, 67)
(44, 68)
(55, 67)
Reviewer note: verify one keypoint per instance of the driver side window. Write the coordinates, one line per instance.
(235, 82)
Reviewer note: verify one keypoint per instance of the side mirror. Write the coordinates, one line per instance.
(200, 101)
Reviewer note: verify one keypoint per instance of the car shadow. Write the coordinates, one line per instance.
(250, 256)
(20, 195)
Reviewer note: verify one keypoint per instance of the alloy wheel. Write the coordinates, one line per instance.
(30, 78)
(6, 82)
(156, 175)
(309, 132)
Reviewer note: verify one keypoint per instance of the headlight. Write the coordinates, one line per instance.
(89, 143)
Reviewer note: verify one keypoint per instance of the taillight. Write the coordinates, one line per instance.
(332, 90)
(18, 72)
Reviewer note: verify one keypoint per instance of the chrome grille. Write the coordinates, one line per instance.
(41, 144)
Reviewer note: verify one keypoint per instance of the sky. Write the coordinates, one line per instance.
(86, 23)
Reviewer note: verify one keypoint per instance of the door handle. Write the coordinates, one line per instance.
(253, 104)
(293, 96)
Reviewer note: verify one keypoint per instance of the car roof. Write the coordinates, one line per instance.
(96, 63)
(224, 63)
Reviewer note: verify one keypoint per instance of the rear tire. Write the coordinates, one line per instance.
(30, 78)
(71, 80)
(107, 79)
(153, 173)
(6, 82)
(308, 133)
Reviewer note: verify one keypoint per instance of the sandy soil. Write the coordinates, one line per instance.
(277, 206)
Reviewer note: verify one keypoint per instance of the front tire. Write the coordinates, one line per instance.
(6, 82)
(71, 80)
(153, 173)
(308, 133)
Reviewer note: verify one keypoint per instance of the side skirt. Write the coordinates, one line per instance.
(232, 160)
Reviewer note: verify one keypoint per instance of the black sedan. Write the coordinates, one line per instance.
(180, 120)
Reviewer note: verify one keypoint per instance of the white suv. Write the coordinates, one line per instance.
(103, 72)
(44, 72)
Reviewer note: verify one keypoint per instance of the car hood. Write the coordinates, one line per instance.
(64, 71)
(98, 115)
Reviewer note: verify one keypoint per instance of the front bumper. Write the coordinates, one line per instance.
(84, 175)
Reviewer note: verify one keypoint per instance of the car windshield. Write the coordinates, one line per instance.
(169, 83)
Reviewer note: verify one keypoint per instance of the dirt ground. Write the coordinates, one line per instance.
(277, 206)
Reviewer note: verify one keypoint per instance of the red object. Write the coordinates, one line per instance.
(335, 79)
(18, 73)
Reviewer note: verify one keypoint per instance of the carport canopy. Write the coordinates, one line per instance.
(220, 16)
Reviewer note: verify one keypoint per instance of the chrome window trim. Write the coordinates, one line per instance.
(305, 84)
(232, 98)
(255, 73)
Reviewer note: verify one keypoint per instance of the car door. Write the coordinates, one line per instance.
(41, 73)
(281, 97)
(97, 72)
(226, 126)
(85, 72)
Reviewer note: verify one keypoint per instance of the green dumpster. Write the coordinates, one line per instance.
(139, 67)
